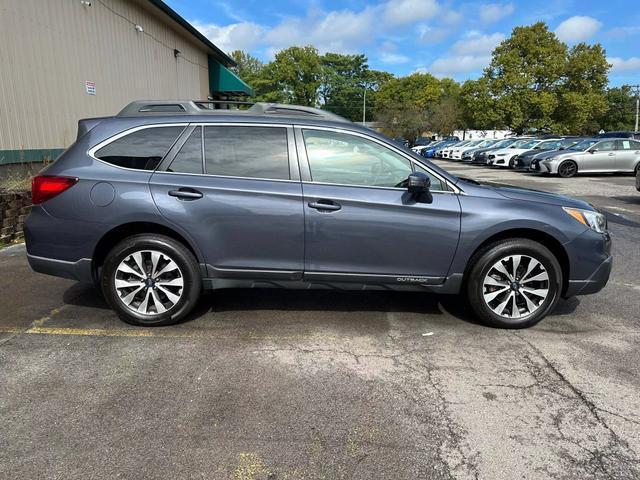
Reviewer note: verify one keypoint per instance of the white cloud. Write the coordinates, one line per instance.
(620, 65)
(242, 36)
(451, 66)
(577, 29)
(492, 12)
(402, 12)
(431, 35)
(337, 31)
(393, 58)
(476, 43)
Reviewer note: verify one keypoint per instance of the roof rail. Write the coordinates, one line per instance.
(144, 108)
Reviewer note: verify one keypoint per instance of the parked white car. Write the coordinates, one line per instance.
(506, 156)
(456, 153)
(447, 152)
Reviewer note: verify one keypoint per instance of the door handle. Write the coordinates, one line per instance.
(611, 154)
(325, 205)
(185, 194)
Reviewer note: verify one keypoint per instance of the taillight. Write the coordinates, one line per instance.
(45, 187)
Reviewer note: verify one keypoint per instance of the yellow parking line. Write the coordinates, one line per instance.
(160, 333)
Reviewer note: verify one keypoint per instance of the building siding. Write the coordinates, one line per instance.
(48, 49)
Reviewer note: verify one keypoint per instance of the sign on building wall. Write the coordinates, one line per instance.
(90, 87)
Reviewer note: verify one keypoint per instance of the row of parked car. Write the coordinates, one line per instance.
(566, 156)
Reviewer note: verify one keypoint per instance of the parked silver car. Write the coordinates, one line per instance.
(609, 155)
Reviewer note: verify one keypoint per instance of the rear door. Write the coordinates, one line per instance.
(235, 189)
(627, 155)
(360, 222)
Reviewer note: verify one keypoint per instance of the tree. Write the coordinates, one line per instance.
(478, 105)
(621, 108)
(296, 73)
(415, 90)
(525, 72)
(342, 84)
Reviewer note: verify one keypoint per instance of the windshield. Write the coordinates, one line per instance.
(550, 145)
(486, 143)
(504, 143)
(529, 144)
(520, 143)
(583, 145)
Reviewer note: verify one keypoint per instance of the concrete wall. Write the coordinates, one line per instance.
(49, 48)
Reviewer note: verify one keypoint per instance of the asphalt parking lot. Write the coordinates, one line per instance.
(326, 385)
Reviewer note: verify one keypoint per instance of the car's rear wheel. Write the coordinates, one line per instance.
(514, 283)
(567, 169)
(151, 280)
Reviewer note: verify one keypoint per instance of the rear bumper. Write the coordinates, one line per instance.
(79, 270)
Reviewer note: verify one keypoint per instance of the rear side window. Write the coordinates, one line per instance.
(140, 150)
(253, 152)
(189, 158)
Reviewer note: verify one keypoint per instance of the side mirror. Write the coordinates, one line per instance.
(593, 150)
(418, 183)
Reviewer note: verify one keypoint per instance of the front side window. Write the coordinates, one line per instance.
(251, 152)
(352, 160)
(606, 146)
(140, 150)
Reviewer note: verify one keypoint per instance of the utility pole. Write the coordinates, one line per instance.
(364, 108)
(637, 87)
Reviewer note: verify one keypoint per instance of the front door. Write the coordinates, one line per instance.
(360, 222)
(241, 204)
(603, 159)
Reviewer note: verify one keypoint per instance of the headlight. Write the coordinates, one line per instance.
(500, 154)
(594, 220)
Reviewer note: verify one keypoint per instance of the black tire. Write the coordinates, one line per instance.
(567, 169)
(170, 249)
(483, 261)
(512, 162)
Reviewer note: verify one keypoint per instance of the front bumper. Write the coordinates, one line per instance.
(590, 263)
(594, 283)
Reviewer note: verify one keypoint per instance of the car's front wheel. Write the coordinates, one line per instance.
(151, 280)
(514, 283)
(567, 169)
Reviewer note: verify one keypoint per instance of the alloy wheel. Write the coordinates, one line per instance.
(149, 282)
(567, 169)
(516, 286)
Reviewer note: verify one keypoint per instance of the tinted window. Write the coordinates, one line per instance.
(142, 149)
(189, 158)
(351, 160)
(628, 145)
(606, 146)
(255, 152)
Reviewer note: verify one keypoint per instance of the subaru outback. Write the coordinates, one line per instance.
(167, 199)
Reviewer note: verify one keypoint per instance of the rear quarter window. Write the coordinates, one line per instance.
(140, 150)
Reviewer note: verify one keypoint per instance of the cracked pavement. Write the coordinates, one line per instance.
(326, 385)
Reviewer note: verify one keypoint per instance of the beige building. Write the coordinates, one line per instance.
(62, 60)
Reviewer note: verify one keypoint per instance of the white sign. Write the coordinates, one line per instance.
(90, 87)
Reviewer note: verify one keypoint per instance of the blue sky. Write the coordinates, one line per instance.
(445, 38)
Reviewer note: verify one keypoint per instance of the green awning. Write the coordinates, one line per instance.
(224, 81)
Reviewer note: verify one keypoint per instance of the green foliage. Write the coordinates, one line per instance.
(621, 108)
(536, 82)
